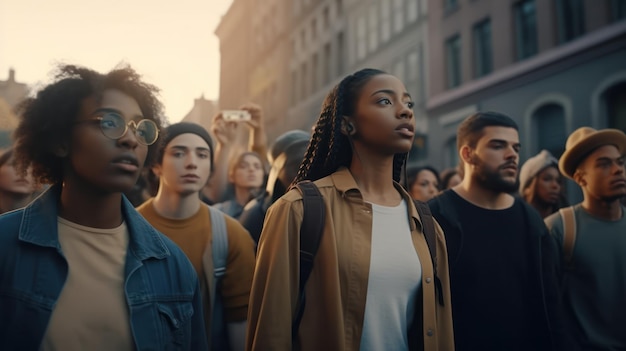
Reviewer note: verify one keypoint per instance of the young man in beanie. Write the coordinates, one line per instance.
(594, 259)
(183, 167)
(540, 183)
(502, 258)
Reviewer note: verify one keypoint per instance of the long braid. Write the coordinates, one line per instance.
(398, 165)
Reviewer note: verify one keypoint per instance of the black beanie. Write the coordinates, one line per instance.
(177, 129)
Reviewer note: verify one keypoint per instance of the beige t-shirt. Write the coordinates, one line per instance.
(91, 312)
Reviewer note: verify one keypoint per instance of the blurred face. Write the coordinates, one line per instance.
(548, 186)
(384, 116)
(186, 164)
(12, 182)
(601, 175)
(454, 181)
(425, 186)
(248, 173)
(107, 165)
(495, 159)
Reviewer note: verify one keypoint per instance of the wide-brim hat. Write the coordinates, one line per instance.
(583, 141)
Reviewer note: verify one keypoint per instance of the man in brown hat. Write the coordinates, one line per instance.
(592, 235)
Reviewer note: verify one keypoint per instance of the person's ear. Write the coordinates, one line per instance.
(466, 154)
(579, 178)
(157, 170)
(347, 127)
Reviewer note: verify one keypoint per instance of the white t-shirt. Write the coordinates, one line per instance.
(394, 279)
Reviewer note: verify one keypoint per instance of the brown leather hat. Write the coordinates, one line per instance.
(583, 141)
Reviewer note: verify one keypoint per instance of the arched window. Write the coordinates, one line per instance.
(614, 101)
(549, 131)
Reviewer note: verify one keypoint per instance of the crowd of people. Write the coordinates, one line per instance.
(120, 232)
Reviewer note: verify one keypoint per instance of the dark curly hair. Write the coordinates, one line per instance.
(329, 148)
(46, 121)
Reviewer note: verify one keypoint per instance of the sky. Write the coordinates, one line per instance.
(170, 43)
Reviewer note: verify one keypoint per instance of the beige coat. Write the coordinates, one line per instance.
(337, 288)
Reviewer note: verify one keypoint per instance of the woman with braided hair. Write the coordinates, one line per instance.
(372, 285)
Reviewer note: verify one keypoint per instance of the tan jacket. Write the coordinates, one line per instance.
(337, 288)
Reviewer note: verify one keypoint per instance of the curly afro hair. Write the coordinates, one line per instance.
(46, 121)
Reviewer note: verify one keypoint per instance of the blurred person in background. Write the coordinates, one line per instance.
(229, 145)
(16, 190)
(285, 157)
(423, 182)
(246, 175)
(450, 178)
(540, 183)
(81, 269)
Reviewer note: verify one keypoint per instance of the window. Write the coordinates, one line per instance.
(398, 69)
(449, 5)
(413, 74)
(618, 10)
(326, 17)
(314, 72)
(313, 29)
(373, 27)
(327, 64)
(570, 19)
(614, 100)
(525, 29)
(361, 37)
(304, 79)
(453, 61)
(549, 122)
(294, 91)
(412, 10)
(340, 54)
(385, 20)
(398, 15)
(483, 63)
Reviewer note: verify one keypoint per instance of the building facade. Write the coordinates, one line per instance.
(255, 52)
(333, 38)
(552, 65)
(11, 94)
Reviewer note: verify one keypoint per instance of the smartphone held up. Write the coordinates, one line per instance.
(236, 115)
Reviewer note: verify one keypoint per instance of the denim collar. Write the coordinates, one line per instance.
(39, 226)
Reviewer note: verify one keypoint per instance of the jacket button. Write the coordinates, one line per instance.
(428, 280)
(430, 332)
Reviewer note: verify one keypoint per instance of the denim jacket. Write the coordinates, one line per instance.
(160, 284)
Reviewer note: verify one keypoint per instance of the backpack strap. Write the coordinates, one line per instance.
(311, 230)
(219, 251)
(428, 225)
(569, 234)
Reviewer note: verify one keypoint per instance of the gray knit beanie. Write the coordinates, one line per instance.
(533, 166)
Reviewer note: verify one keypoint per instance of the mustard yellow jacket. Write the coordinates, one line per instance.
(337, 288)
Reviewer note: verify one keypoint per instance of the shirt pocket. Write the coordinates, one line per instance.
(175, 324)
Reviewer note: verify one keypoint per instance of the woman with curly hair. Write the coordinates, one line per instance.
(372, 285)
(81, 269)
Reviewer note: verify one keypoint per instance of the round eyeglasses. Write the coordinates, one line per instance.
(114, 126)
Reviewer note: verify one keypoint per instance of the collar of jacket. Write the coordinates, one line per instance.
(344, 182)
(39, 226)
